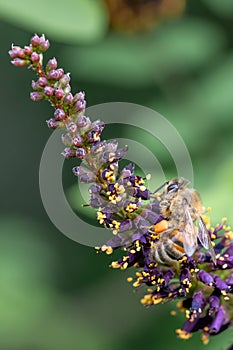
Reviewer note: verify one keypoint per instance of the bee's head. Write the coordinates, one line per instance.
(176, 184)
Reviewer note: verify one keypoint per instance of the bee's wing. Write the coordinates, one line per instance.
(204, 238)
(189, 233)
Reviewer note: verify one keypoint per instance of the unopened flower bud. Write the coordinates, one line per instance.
(16, 51)
(52, 123)
(68, 99)
(51, 65)
(71, 127)
(28, 50)
(19, 62)
(35, 41)
(77, 141)
(81, 153)
(68, 152)
(59, 114)
(48, 90)
(55, 74)
(44, 44)
(79, 106)
(36, 96)
(35, 57)
(59, 93)
(79, 96)
(35, 85)
(42, 81)
(65, 80)
(83, 121)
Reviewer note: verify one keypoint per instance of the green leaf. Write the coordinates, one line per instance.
(176, 47)
(70, 21)
(222, 8)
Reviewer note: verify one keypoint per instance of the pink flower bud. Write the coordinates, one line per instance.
(19, 62)
(35, 57)
(28, 50)
(17, 51)
(44, 44)
(42, 81)
(35, 40)
(59, 93)
(36, 96)
(48, 90)
(52, 64)
(68, 99)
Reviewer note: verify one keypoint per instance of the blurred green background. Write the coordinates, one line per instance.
(55, 293)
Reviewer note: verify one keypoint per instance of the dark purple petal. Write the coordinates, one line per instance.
(214, 301)
(198, 302)
(218, 321)
(220, 284)
(205, 277)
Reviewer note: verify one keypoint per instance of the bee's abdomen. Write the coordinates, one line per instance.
(167, 251)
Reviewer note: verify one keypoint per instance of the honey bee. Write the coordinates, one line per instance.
(183, 225)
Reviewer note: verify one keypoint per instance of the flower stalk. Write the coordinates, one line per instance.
(202, 287)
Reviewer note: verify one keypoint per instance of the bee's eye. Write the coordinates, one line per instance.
(173, 187)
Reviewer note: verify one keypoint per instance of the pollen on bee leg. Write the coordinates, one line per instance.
(161, 226)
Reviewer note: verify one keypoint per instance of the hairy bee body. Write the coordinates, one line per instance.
(169, 248)
(181, 207)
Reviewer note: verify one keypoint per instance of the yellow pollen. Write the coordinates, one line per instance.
(224, 266)
(136, 284)
(124, 266)
(111, 157)
(205, 338)
(173, 313)
(129, 279)
(101, 217)
(142, 188)
(183, 334)
(131, 207)
(107, 249)
(157, 301)
(115, 265)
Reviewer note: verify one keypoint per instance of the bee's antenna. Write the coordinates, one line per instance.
(159, 188)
